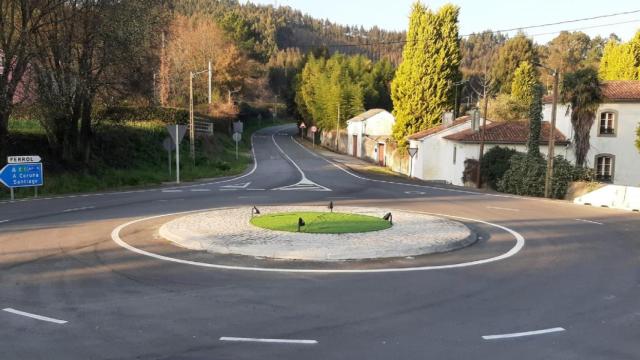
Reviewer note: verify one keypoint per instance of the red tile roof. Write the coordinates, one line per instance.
(437, 129)
(515, 132)
(615, 91)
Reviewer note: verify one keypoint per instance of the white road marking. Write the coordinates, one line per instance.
(340, 197)
(172, 191)
(590, 222)
(277, 341)
(200, 190)
(238, 186)
(520, 242)
(34, 316)
(78, 209)
(521, 334)
(502, 208)
(415, 192)
(3, 221)
(304, 181)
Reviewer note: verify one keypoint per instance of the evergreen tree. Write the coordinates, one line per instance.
(535, 121)
(421, 89)
(523, 87)
(511, 55)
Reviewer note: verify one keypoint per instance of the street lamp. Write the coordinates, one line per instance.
(192, 130)
(548, 181)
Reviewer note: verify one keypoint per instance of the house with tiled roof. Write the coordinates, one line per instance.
(442, 150)
(613, 154)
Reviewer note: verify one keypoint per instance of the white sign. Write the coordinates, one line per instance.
(237, 137)
(413, 151)
(25, 159)
(314, 129)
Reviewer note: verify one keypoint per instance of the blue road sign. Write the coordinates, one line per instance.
(22, 175)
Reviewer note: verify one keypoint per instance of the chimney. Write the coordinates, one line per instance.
(447, 118)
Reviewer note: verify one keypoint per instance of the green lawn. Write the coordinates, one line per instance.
(321, 222)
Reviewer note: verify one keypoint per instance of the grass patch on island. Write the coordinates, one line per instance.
(321, 222)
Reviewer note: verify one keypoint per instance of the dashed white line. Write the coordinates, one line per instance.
(172, 191)
(34, 316)
(3, 221)
(277, 341)
(78, 209)
(200, 190)
(590, 222)
(521, 334)
(502, 208)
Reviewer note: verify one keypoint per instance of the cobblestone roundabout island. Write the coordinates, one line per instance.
(230, 231)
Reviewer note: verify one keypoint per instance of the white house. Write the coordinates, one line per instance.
(368, 134)
(443, 150)
(613, 153)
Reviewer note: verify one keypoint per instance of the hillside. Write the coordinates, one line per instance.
(263, 29)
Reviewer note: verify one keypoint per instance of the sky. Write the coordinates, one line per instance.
(476, 15)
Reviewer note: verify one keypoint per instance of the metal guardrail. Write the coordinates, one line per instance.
(203, 127)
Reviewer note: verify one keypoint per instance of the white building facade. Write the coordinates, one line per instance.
(367, 135)
(613, 153)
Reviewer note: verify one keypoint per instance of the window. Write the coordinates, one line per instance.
(607, 123)
(604, 167)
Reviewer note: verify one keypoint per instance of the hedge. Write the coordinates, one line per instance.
(494, 164)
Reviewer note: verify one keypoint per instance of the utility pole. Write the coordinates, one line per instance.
(192, 130)
(210, 76)
(482, 134)
(455, 107)
(338, 130)
(275, 109)
(548, 181)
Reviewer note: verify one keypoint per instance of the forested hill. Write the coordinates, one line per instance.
(262, 30)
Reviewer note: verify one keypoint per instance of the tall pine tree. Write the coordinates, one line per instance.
(421, 89)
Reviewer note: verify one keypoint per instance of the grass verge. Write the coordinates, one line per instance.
(321, 222)
(129, 155)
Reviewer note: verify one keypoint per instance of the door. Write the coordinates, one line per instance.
(381, 154)
(354, 141)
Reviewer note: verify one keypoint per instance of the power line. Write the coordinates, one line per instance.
(396, 42)
(587, 27)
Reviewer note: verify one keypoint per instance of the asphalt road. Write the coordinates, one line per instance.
(69, 291)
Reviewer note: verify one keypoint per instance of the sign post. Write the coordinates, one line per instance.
(177, 133)
(237, 137)
(22, 174)
(168, 145)
(302, 127)
(314, 129)
(412, 153)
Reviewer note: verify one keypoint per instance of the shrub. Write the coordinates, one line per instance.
(526, 176)
(495, 163)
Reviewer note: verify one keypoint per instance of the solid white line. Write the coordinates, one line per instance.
(590, 222)
(520, 241)
(34, 316)
(3, 221)
(502, 208)
(278, 341)
(172, 191)
(78, 209)
(200, 190)
(521, 334)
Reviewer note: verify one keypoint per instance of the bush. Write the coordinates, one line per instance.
(526, 176)
(495, 163)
